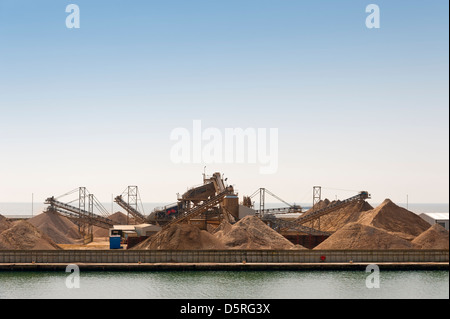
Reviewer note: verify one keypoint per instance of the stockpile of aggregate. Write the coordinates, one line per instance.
(435, 237)
(394, 219)
(22, 235)
(359, 236)
(181, 237)
(335, 220)
(356, 226)
(387, 226)
(4, 223)
(321, 204)
(58, 228)
(224, 228)
(251, 233)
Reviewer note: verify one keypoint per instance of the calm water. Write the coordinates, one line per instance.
(226, 285)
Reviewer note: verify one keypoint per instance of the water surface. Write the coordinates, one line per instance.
(226, 285)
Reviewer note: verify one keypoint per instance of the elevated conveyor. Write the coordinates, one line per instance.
(140, 218)
(280, 224)
(85, 216)
(307, 217)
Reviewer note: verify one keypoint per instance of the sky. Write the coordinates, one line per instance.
(95, 106)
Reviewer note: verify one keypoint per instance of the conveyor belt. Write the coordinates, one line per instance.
(135, 213)
(69, 210)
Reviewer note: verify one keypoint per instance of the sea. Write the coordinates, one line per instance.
(225, 285)
(234, 285)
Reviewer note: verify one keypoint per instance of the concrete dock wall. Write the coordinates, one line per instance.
(223, 256)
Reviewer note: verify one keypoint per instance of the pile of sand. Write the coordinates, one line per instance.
(24, 236)
(394, 219)
(251, 233)
(4, 223)
(321, 204)
(119, 218)
(335, 220)
(59, 228)
(181, 237)
(359, 236)
(435, 237)
(4, 246)
(224, 228)
(359, 226)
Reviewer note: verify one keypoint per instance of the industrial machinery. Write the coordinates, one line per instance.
(204, 207)
(315, 214)
(211, 199)
(131, 205)
(280, 225)
(88, 213)
(272, 217)
(262, 200)
(208, 203)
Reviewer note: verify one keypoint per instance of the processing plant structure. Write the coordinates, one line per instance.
(207, 204)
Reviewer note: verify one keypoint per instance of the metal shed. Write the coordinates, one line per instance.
(436, 218)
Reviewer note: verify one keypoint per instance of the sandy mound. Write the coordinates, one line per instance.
(358, 236)
(395, 219)
(321, 204)
(4, 246)
(251, 233)
(59, 228)
(339, 218)
(181, 237)
(4, 223)
(118, 217)
(436, 237)
(24, 236)
(224, 228)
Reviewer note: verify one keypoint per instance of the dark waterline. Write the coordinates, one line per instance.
(227, 285)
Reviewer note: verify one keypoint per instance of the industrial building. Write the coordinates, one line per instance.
(436, 218)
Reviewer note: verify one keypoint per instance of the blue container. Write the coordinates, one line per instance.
(114, 242)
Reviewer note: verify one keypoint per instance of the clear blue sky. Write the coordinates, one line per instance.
(356, 108)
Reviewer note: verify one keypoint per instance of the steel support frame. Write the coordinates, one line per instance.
(81, 207)
(132, 199)
(262, 200)
(317, 197)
